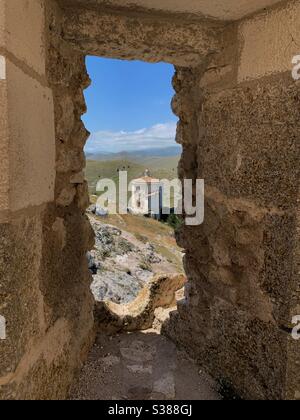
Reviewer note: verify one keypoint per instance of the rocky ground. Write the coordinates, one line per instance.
(122, 263)
(136, 287)
(141, 366)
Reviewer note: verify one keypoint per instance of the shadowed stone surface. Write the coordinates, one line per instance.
(119, 35)
(141, 366)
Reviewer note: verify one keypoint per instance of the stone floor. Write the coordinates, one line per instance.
(141, 366)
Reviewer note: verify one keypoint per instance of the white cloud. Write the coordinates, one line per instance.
(158, 136)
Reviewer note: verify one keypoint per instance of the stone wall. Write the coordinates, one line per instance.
(243, 262)
(239, 127)
(155, 37)
(238, 109)
(44, 235)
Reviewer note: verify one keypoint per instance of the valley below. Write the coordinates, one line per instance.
(129, 251)
(164, 167)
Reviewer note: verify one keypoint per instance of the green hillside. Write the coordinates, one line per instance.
(164, 167)
(161, 168)
(96, 170)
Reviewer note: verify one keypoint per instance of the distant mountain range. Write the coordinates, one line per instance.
(138, 154)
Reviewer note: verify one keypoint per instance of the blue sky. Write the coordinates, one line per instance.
(129, 105)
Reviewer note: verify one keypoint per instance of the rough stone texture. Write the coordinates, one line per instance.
(239, 127)
(139, 314)
(45, 282)
(270, 41)
(141, 366)
(4, 152)
(22, 25)
(153, 39)
(243, 262)
(28, 178)
(32, 146)
(46, 327)
(228, 10)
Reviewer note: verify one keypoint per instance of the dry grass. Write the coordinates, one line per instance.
(159, 234)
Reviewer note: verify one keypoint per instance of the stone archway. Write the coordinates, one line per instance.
(239, 127)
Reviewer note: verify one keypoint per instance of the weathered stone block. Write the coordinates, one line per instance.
(243, 262)
(269, 41)
(21, 302)
(4, 153)
(47, 304)
(31, 140)
(22, 25)
(126, 37)
(249, 142)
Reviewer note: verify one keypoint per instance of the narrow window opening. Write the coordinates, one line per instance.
(133, 134)
(137, 266)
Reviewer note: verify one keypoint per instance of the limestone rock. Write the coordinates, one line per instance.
(140, 314)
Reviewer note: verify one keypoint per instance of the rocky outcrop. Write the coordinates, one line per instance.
(160, 292)
(118, 287)
(121, 264)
